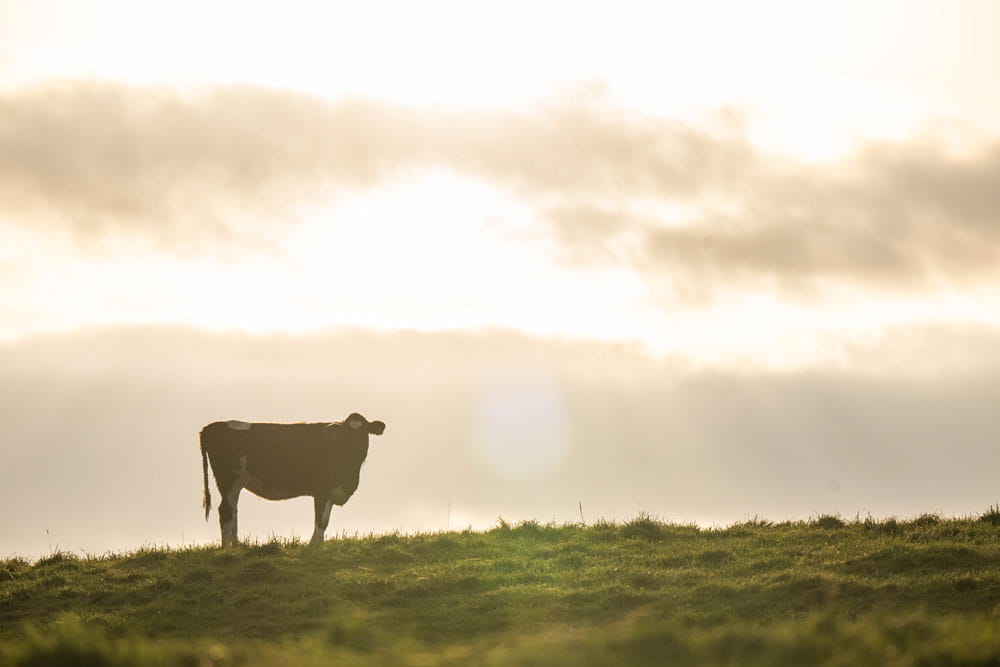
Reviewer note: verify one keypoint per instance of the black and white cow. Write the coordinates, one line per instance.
(279, 461)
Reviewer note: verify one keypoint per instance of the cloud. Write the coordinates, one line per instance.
(100, 157)
(696, 208)
(893, 216)
(584, 148)
(165, 163)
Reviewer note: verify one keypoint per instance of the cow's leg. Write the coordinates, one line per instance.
(227, 514)
(322, 505)
(236, 518)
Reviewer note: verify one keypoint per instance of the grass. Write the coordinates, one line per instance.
(924, 591)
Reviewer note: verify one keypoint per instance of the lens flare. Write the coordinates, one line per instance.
(521, 426)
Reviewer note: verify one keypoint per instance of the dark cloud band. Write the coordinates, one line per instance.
(168, 165)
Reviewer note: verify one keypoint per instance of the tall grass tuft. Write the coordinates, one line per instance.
(643, 527)
(991, 516)
(828, 522)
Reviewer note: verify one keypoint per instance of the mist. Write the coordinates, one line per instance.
(100, 439)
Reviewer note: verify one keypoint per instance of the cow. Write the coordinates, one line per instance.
(280, 461)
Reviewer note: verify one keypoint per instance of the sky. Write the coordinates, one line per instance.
(586, 260)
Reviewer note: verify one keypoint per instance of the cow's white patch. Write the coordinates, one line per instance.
(326, 511)
(233, 497)
(230, 528)
(243, 478)
(237, 425)
(355, 424)
(319, 530)
(338, 496)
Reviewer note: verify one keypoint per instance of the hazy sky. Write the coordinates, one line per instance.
(720, 239)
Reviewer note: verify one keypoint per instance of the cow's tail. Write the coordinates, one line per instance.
(206, 499)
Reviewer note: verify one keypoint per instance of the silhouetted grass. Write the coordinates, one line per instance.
(920, 591)
(991, 516)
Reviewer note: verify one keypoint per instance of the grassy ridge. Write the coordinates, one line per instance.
(925, 591)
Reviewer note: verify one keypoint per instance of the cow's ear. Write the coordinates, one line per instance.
(376, 427)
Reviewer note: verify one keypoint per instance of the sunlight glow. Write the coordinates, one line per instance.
(435, 249)
(811, 89)
(522, 425)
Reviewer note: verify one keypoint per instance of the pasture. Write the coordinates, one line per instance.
(922, 591)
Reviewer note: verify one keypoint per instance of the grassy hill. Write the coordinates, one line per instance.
(924, 591)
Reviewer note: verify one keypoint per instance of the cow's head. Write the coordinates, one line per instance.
(355, 423)
(350, 437)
